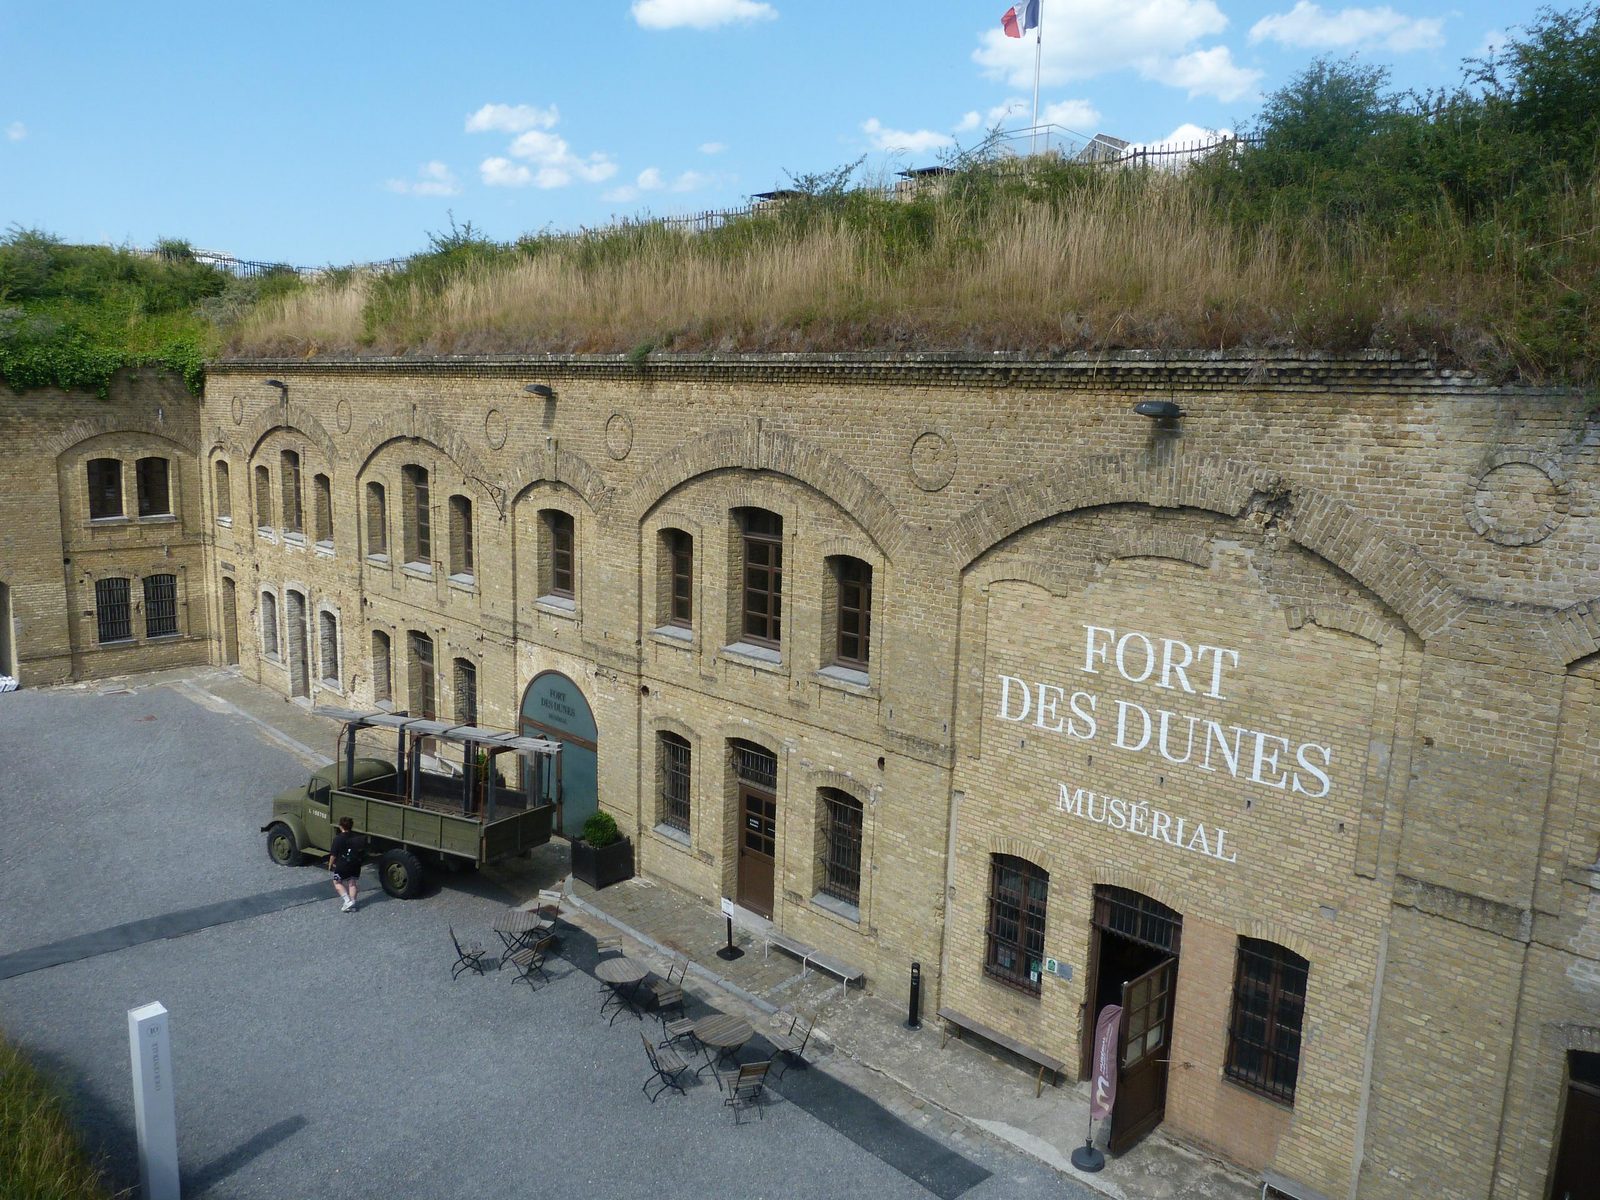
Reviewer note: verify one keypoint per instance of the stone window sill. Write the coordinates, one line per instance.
(673, 834)
(764, 657)
(378, 560)
(837, 907)
(158, 519)
(225, 522)
(464, 581)
(324, 549)
(558, 606)
(674, 635)
(846, 678)
(266, 535)
(97, 522)
(418, 570)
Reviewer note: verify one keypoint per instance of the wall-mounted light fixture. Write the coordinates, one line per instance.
(283, 388)
(542, 390)
(1158, 410)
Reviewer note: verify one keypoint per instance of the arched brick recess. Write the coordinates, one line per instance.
(1396, 573)
(851, 548)
(1054, 582)
(1017, 848)
(1152, 543)
(407, 424)
(1574, 632)
(760, 736)
(755, 449)
(821, 777)
(1136, 881)
(1342, 618)
(298, 418)
(564, 467)
(83, 430)
(1271, 931)
(673, 725)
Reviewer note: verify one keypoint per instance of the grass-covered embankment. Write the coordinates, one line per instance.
(40, 1155)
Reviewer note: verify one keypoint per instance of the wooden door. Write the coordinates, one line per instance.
(230, 623)
(1143, 1047)
(1578, 1159)
(758, 837)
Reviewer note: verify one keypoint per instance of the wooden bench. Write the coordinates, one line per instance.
(810, 957)
(1044, 1062)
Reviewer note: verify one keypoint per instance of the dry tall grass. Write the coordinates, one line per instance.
(40, 1156)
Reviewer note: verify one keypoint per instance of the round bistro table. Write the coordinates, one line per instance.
(623, 976)
(724, 1033)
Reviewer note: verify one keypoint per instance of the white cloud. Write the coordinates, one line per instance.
(1187, 134)
(1491, 44)
(557, 164)
(16, 131)
(712, 147)
(1308, 26)
(649, 179)
(1104, 36)
(512, 118)
(1211, 73)
(433, 179)
(918, 142)
(689, 181)
(969, 122)
(1077, 115)
(699, 14)
(502, 172)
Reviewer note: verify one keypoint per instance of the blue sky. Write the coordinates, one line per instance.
(335, 132)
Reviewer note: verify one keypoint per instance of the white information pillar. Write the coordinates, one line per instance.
(154, 1113)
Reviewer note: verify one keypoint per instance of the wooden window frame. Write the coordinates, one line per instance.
(464, 677)
(293, 499)
(462, 551)
(761, 581)
(377, 521)
(322, 509)
(147, 488)
(422, 684)
(677, 762)
(1269, 993)
(852, 578)
(417, 497)
(680, 579)
(263, 498)
(561, 545)
(1015, 930)
(109, 489)
(385, 660)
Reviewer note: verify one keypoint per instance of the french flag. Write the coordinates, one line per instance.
(1020, 18)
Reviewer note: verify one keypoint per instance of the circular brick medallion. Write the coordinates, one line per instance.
(238, 410)
(496, 429)
(933, 460)
(619, 436)
(341, 414)
(1519, 499)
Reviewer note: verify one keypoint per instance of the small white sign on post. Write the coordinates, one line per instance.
(727, 907)
(154, 1112)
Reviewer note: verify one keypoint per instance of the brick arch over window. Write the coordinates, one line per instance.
(1396, 573)
(1145, 885)
(298, 418)
(572, 471)
(406, 425)
(1033, 852)
(118, 447)
(122, 424)
(754, 449)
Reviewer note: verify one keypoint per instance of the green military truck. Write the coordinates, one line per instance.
(417, 818)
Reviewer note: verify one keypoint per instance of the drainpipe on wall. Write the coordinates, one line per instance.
(949, 894)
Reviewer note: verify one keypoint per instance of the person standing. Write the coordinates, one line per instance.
(348, 851)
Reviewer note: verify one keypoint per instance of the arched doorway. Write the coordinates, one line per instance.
(553, 706)
(230, 623)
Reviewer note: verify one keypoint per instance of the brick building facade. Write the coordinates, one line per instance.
(1274, 723)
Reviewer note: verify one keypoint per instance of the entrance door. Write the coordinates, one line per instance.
(1578, 1156)
(554, 707)
(299, 664)
(8, 663)
(1143, 1051)
(758, 839)
(230, 624)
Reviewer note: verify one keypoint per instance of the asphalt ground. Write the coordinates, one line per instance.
(329, 1054)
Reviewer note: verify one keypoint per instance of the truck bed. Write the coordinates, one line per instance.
(437, 822)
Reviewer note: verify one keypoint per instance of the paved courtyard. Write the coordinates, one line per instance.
(324, 1054)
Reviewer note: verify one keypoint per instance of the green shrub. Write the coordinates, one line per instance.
(601, 830)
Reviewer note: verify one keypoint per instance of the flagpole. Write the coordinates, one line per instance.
(1038, 52)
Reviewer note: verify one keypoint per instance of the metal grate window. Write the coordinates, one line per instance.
(1018, 896)
(155, 498)
(853, 579)
(675, 782)
(160, 606)
(763, 575)
(423, 699)
(1138, 917)
(382, 688)
(755, 766)
(680, 548)
(841, 845)
(328, 647)
(269, 624)
(112, 611)
(466, 678)
(1269, 1005)
(105, 488)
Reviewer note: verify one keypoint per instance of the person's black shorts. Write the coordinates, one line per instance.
(346, 874)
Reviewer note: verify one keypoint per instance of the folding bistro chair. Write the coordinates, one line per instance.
(791, 1042)
(529, 961)
(672, 983)
(468, 958)
(666, 1064)
(677, 1027)
(744, 1087)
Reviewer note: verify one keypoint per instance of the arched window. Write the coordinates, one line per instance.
(382, 685)
(848, 616)
(675, 775)
(417, 516)
(263, 498)
(557, 565)
(328, 647)
(322, 510)
(839, 820)
(155, 496)
(223, 489)
(105, 488)
(423, 702)
(1269, 1007)
(466, 681)
(1019, 893)
(289, 477)
(160, 606)
(461, 556)
(377, 522)
(113, 615)
(759, 576)
(269, 623)
(675, 580)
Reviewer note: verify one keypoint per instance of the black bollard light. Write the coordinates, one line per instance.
(914, 1017)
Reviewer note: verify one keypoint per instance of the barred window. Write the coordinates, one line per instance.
(466, 692)
(675, 759)
(382, 688)
(559, 550)
(224, 491)
(263, 498)
(1269, 1005)
(461, 557)
(422, 702)
(754, 764)
(105, 488)
(418, 519)
(840, 815)
(377, 520)
(155, 497)
(112, 611)
(160, 606)
(1018, 895)
(322, 490)
(269, 625)
(852, 580)
(762, 587)
(328, 647)
(294, 520)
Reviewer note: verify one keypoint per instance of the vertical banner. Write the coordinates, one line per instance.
(1103, 1080)
(154, 1113)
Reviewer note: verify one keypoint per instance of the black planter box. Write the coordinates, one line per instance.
(601, 866)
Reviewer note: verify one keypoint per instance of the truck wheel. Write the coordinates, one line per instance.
(281, 846)
(400, 872)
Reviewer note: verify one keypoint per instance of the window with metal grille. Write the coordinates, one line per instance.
(328, 647)
(1018, 895)
(1137, 917)
(105, 488)
(559, 549)
(762, 538)
(853, 612)
(461, 537)
(224, 491)
(466, 692)
(678, 549)
(160, 606)
(112, 611)
(423, 702)
(1269, 1006)
(382, 688)
(754, 765)
(263, 498)
(377, 520)
(840, 813)
(674, 782)
(294, 517)
(322, 509)
(418, 519)
(155, 498)
(269, 625)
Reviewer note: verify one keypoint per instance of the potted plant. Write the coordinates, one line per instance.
(602, 856)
